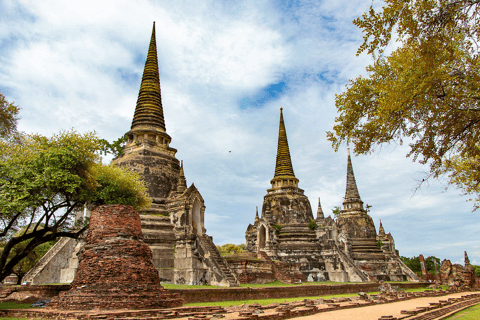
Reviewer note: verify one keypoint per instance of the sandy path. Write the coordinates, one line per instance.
(375, 312)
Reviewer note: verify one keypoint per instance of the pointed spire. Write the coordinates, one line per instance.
(351, 193)
(149, 110)
(284, 175)
(256, 215)
(283, 165)
(182, 181)
(467, 261)
(320, 214)
(352, 190)
(381, 231)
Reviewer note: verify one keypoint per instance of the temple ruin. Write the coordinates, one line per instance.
(292, 245)
(173, 227)
(345, 249)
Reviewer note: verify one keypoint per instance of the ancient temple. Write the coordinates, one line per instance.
(173, 227)
(345, 249)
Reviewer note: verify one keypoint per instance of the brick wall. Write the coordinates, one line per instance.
(230, 294)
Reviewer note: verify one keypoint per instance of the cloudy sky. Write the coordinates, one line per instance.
(226, 68)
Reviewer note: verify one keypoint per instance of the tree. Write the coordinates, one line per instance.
(426, 91)
(42, 182)
(8, 118)
(412, 263)
(229, 249)
(30, 260)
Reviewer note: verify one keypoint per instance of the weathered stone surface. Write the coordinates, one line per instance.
(456, 275)
(343, 250)
(115, 269)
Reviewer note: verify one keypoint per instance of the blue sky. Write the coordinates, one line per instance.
(226, 68)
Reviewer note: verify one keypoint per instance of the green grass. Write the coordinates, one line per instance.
(268, 301)
(280, 300)
(13, 305)
(471, 313)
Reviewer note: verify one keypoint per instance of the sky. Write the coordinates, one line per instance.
(226, 68)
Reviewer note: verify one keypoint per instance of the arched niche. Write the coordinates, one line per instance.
(197, 217)
(262, 235)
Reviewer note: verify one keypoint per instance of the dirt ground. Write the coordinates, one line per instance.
(375, 312)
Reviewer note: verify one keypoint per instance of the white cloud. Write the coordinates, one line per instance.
(72, 64)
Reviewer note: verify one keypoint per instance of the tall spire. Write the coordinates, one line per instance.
(381, 230)
(352, 197)
(182, 181)
(284, 175)
(283, 166)
(149, 110)
(467, 261)
(320, 214)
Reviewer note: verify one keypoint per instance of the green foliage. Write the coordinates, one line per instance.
(277, 227)
(115, 148)
(380, 244)
(43, 180)
(367, 207)
(425, 91)
(117, 185)
(336, 211)
(8, 118)
(313, 224)
(228, 249)
(477, 270)
(414, 263)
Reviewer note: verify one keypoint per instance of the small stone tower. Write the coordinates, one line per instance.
(358, 238)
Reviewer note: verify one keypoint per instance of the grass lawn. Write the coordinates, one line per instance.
(264, 302)
(471, 313)
(280, 300)
(13, 305)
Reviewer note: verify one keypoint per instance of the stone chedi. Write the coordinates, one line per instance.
(115, 269)
(173, 227)
(341, 250)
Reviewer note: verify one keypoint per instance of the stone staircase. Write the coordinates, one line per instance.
(159, 236)
(37, 274)
(356, 274)
(68, 274)
(217, 261)
(366, 249)
(406, 270)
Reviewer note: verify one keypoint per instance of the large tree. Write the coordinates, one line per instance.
(425, 91)
(44, 180)
(8, 118)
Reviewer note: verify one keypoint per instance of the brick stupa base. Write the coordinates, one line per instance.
(115, 269)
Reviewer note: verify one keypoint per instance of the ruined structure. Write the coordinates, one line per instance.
(115, 269)
(341, 250)
(311, 249)
(173, 227)
(458, 276)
